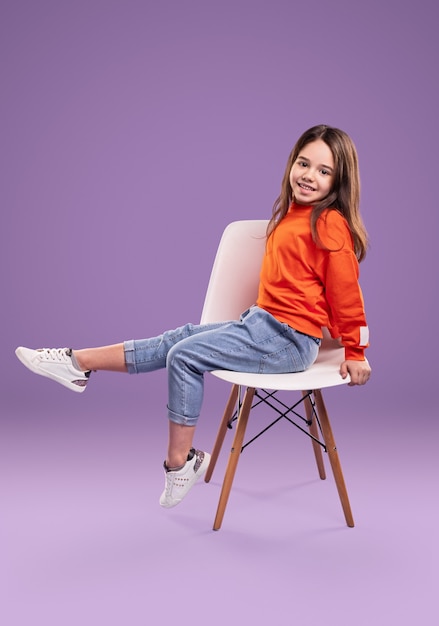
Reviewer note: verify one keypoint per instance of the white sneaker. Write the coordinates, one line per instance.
(54, 363)
(179, 482)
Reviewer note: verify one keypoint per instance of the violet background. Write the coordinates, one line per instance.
(131, 134)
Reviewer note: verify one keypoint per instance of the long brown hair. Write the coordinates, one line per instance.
(345, 192)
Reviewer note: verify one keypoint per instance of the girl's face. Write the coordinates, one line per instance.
(312, 173)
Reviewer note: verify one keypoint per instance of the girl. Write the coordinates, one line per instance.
(309, 279)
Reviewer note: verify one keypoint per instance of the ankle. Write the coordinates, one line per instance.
(178, 461)
(175, 463)
(78, 361)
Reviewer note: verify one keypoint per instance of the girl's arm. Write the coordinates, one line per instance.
(344, 297)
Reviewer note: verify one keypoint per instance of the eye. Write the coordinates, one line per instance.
(302, 163)
(325, 172)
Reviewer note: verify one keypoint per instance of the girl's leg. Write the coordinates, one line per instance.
(179, 444)
(258, 343)
(145, 354)
(72, 368)
(109, 358)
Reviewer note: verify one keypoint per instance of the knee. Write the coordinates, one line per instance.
(182, 356)
(176, 356)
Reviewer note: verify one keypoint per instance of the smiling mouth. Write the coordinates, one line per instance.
(306, 187)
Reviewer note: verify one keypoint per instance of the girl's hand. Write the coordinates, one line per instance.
(359, 371)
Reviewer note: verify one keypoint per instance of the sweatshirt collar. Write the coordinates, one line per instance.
(299, 207)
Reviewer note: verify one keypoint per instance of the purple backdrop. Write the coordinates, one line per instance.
(132, 133)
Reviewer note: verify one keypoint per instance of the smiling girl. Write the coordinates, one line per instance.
(309, 279)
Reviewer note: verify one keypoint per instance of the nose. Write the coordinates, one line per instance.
(308, 174)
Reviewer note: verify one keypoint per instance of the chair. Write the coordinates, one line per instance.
(231, 290)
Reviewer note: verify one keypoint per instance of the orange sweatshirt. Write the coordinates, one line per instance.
(307, 287)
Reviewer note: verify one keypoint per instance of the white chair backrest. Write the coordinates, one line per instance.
(234, 280)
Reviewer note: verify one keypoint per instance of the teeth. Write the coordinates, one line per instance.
(306, 187)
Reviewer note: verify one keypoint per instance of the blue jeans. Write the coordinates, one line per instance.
(257, 343)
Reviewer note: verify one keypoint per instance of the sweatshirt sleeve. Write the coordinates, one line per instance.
(347, 317)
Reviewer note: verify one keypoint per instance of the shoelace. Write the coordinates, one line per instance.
(59, 355)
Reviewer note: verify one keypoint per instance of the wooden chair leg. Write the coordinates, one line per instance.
(227, 416)
(235, 453)
(333, 457)
(315, 433)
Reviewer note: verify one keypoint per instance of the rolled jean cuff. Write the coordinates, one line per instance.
(130, 356)
(183, 420)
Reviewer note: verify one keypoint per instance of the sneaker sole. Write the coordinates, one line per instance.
(51, 376)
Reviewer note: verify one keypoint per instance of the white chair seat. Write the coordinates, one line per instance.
(325, 372)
